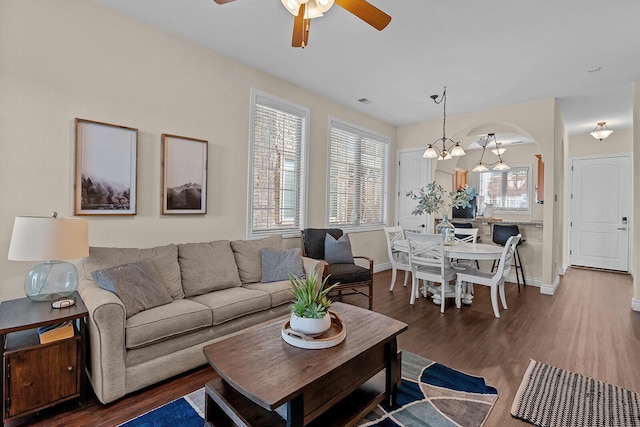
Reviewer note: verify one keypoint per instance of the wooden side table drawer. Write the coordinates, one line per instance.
(40, 375)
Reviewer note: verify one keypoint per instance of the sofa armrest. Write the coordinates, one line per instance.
(312, 266)
(106, 356)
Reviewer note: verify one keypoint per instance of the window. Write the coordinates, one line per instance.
(277, 170)
(358, 177)
(507, 191)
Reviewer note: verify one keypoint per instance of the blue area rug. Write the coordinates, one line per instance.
(430, 394)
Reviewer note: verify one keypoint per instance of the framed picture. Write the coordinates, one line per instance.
(106, 169)
(184, 175)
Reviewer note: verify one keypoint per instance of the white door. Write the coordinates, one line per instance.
(600, 212)
(414, 171)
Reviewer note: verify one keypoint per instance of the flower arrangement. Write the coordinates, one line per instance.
(434, 198)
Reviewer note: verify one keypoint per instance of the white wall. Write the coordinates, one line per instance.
(636, 197)
(68, 58)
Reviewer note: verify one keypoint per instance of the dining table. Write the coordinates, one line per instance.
(461, 251)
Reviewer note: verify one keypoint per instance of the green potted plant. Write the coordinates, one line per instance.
(309, 312)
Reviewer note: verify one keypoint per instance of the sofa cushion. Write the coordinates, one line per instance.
(248, 255)
(137, 284)
(338, 251)
(165, 259)
(279, 292)
(276, 264)
(347, 273)
(229, 304)
(207, 267)
(161, 323)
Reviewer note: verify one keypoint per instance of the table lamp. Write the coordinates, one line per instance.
(49, 239)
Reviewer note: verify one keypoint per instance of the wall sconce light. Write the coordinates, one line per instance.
(601, 131)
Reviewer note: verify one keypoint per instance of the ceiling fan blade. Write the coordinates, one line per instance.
(300, 29)
(223, 1)
(367, 12)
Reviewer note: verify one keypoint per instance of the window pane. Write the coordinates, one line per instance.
(505, 190)
(358, 175)
(278, 139)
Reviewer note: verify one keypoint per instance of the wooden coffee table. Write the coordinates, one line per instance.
(336, 386)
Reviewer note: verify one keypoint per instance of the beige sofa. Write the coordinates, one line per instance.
(215, 289)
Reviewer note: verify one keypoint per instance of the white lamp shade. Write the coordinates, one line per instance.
(480, 167)
(457, 151)
(498, 151)
(312, 10)
(501, 166)
(292, 6)
(601, 134)
(47, 238)
(324, 5)
(430, 153)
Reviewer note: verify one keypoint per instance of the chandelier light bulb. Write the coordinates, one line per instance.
(457, 150)
(501, 166)
(498, 151)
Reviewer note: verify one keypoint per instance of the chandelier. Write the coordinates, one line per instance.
(449, 148)
(601, 131)
(314, 8)
(500, 165)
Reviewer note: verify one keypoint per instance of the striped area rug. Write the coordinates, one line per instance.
(550, 396)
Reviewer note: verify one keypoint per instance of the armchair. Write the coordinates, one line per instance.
(352, 278)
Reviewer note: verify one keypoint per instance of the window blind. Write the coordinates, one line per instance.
(277, 167)
(358, 177)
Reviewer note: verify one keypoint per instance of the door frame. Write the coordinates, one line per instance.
(570, 213)
(397, 191)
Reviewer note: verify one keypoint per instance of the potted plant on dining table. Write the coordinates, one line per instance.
(433, 198)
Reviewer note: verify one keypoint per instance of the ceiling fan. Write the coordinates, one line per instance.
(305, 10)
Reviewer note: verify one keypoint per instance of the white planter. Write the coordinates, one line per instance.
(310, 327)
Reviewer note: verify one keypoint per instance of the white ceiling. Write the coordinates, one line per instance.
(488, 53)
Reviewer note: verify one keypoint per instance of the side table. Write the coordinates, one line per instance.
(37, 376)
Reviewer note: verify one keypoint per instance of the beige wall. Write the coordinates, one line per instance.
(65, 59)
(537, 120)
(620, 141)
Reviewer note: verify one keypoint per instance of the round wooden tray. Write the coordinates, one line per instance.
(331, 337)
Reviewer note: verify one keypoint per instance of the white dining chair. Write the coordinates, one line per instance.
(429, 264)
(469, 235)
(399, 260)
(494, 280)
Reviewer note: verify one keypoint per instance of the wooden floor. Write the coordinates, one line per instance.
(587, 327)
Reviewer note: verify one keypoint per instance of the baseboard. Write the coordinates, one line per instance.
(550, 289)
(635, 304)
(377, 268)
(531, 281)
(563, 270)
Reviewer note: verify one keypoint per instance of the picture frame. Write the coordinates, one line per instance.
(106, 162)
(184, 175)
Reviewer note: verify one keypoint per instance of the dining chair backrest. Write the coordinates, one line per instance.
(466, 235)
(426, 250)
(506, 259)
(393, 234)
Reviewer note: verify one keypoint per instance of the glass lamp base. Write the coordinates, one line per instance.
(51, 281)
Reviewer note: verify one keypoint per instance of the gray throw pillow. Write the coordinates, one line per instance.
(337, 251)
(276, 265)
(137, 284)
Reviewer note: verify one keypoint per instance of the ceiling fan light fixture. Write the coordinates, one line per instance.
(601, 131)
(292, 6)
(324, 5)
(312, 10)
